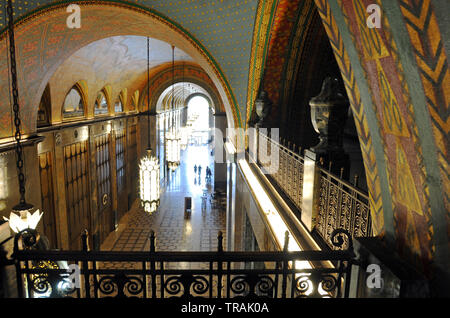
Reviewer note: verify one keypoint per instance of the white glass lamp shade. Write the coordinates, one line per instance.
(20, 220)
(173, 145)
(149, 182)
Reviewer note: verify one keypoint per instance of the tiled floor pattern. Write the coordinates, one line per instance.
(174, 229)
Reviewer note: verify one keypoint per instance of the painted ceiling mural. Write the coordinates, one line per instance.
(119, 61)
(226, 37)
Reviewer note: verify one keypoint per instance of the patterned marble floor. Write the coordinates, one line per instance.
(174, 230)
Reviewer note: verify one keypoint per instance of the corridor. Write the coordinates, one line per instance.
(175, 230)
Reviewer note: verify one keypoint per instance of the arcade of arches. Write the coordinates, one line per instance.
(361, 114)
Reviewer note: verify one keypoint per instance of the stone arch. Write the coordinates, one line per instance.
(106, 92)
(191, 96)
(193, 74)
(81, 88)
(44, 111)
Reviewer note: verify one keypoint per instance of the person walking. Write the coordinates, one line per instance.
(195, 169)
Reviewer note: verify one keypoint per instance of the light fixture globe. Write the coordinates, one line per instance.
(22, 217)
(149, 182)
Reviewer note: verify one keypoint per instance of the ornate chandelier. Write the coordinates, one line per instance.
(149, 165)
(173, 140)
(149, 182)
(22, 216)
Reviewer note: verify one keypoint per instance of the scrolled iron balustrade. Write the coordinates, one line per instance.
(157, 274)
(341, 206)
(289, 175)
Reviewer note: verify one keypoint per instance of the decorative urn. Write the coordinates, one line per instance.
(328, 115)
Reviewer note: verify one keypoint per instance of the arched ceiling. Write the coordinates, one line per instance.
(162, 77)
(182, 92)
(119, 61)
(222, 30)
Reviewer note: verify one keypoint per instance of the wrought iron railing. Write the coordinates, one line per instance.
(341, 206)
(289, 175)
(156, 274)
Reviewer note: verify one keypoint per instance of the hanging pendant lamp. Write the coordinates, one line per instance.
(149, 164)
(184, 129)
(23, 215)
(173, 140)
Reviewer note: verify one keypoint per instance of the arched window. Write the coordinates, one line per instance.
(118, 106)
(101, 104)
(134, 100)
(73, 104)
(44, 110)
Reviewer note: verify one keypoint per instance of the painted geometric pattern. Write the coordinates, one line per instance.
(284, 21)
(271, 49)
(373, 181)
(433, 66)
(425, 228)
(44, 43)
(261, 36)
(223, 27)
(403, 155)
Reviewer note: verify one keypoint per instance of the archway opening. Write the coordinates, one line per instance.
(199, 115)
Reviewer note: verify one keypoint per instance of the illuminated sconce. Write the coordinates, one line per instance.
(24, 219)
(149, 182)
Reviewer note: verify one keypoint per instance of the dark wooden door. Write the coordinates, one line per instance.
(103, 169)
(134, 172)
(76, 162)
(121, 168)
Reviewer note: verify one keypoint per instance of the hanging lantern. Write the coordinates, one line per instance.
(21, 217)
(149, 182)
(149, 165)
(173, 145)
(24, 219)
(173, 140)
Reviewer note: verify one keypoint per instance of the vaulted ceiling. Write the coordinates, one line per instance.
(120, 62)
(222, 29)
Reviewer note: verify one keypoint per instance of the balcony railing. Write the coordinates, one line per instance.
(156, 274)
(341, 205)
(289, 175)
